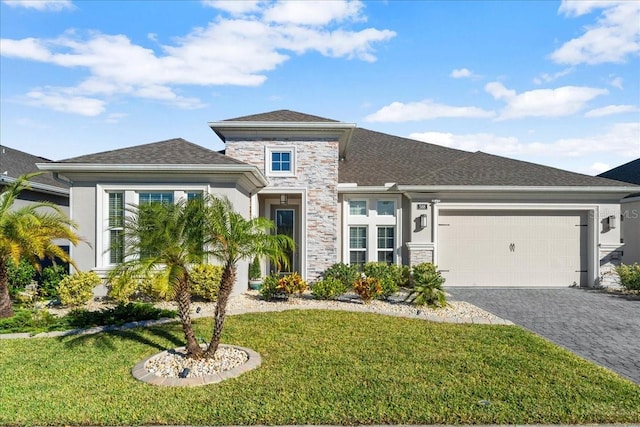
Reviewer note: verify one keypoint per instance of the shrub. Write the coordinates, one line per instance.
(30, 321)
(205, 281)
(20, 275)
(275, 286)
(386, 273)
(123, 288)
(255, 272)
(367, 288)
(50, 279)
(118, 315)
(427, 286)
(347, 274)
(329, 288)
(629, 276)
(77, 289)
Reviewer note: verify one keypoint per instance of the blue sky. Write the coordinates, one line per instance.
(555, 83)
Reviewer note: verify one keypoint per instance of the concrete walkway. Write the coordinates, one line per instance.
(601, 327)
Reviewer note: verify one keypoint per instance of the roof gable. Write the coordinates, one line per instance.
(175, 151)
(629, 172)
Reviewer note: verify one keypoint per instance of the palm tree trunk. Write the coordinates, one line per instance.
(226, 285)
(6, 310)
(183, 298)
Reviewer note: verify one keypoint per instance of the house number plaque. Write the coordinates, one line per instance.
(423, 206)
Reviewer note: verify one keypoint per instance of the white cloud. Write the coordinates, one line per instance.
(234, 7)
(598, 167)
(41, 5)
(229, 51)
(314, 12)
(547, 78)
(66, 104)
(461, 73)
(613, 38)
(424, 110)
(622, 139)
(562, 101)
(616, 82)
(610, 110)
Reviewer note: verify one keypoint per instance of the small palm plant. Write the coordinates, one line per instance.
(29, 233)
(427, 286)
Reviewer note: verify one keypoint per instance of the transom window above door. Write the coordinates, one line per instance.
(280, 161)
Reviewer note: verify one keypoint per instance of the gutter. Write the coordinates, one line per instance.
(355, 188)
(36, 186)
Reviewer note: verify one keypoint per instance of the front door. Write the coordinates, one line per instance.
(285, 219)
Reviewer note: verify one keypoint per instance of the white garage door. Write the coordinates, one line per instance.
(512, 248)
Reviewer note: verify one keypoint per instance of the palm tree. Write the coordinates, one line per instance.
(230, 237)
(28, 233)
(165, 240)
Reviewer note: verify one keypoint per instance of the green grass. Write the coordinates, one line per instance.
(318, 367)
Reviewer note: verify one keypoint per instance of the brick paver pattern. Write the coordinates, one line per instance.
(598, 326)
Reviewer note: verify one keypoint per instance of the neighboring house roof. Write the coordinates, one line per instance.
(175, 151)
(629, 172)
(281, 116)
(14, 163)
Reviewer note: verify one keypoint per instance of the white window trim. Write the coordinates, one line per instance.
(372, 220)
(277, 149)
(131, 191)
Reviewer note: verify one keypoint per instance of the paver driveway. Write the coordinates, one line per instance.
(603, 328)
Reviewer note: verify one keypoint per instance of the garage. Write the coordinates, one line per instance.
(513, 248)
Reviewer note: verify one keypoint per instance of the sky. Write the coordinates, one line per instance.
(555, 83)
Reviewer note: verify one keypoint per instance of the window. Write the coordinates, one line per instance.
(192, 195)
(386, 208)
(155, 198)
(357, 207)
(280, 161)
(357, 245)
(116, 227)
(386, 242)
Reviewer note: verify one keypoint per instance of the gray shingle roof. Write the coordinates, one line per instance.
(375, 158)
(280, 116)
(170, 152)
(629, 172)
(16, 163)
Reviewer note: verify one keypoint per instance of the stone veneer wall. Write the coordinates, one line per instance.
(317, 171)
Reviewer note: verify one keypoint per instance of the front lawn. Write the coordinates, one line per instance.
(318, 367)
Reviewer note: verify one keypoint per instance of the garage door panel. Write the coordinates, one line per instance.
(511, 248)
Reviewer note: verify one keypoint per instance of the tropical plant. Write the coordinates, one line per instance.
(367, 288)
(255, 272)
(19, 275)
(29, 232)
(162, 241)
(284, 286)
(77, 288)
(205, 281)
(230, 238)
(629, 276)
(427, 286)
(329, 288)
(345, 273)
(386, 273)
(50, 279)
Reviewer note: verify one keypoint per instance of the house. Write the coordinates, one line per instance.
(43, 188)
(348, 194)
(630, 210)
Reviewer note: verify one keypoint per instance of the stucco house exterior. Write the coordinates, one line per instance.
(630, 210)
(348, 194)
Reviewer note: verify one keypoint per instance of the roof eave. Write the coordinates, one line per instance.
(36, 186)
(259, 129)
